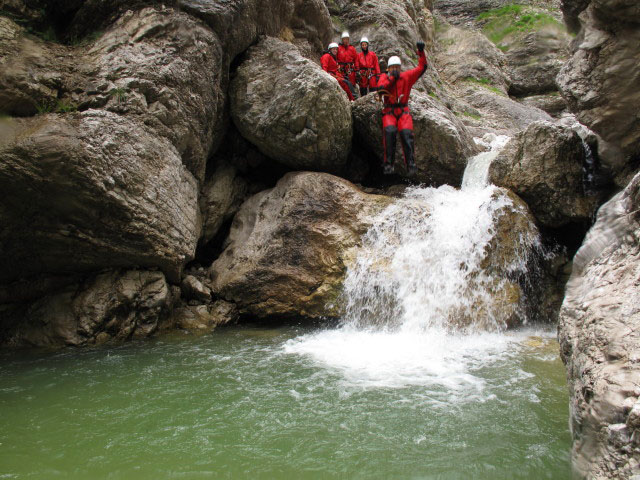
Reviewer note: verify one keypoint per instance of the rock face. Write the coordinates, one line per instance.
(221, 198)
(599, 336)
(600, 81)
(112, 305)
(204, 318)
(468, 56)
(544, 166)
(290, 109)
(442, 143)
(132, 70)
(288, 246)
(85, 191)
(392, 27)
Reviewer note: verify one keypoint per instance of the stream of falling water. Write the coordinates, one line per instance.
(422, 263)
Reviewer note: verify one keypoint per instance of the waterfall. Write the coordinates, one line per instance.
(432, 286)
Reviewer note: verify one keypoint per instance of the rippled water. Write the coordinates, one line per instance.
(289, 403)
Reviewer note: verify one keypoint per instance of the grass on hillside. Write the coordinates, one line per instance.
(513, 18)
(484, 82)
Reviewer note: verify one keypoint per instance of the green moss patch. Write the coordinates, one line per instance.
(513, 19)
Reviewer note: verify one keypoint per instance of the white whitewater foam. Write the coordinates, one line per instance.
(410, 276)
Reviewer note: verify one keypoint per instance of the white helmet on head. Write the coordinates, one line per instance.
(364, 39)
(394, 61)
(345, 35)
(332, 45)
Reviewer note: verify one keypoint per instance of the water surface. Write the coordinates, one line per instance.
(289, 403)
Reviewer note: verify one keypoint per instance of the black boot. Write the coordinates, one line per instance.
(406, 136)
(390, 133)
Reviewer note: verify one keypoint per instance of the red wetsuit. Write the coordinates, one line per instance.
(367, 64)
(330, 65)
(395, 112)
(347, 57)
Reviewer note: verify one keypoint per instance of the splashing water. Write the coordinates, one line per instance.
(420, 298)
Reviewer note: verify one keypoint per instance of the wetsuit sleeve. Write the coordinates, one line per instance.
(386, 81)
(325, 64)
(413, 75)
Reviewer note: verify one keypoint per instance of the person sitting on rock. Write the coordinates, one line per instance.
(347, 57)
(395, 87)
(368, 67)
(329, 63)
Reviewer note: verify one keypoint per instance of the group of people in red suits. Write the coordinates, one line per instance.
(350, 68)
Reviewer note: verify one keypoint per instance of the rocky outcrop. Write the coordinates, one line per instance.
(544, 166)
(290, 109)
(535, 58)
(600, 80)
(289, 246)
(468, 56)
(108, 306)
(131, 70)
(205, 318)
(392, 27)
(599, 336)
(221, 198)
(85, 191)
(442, 143)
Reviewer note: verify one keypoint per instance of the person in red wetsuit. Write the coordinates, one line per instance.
(396, 85)
(369, 68)
(330, 65)
(347, 57)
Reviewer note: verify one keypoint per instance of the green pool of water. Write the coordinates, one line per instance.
(261, 403)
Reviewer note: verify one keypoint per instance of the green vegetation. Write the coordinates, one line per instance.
(484, 82)
(56, 106)
(120, 94)
(475, 116)
(514, 18)
(434, 95)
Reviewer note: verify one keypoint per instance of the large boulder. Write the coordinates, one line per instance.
(85, 191)
(442, 143)
(131, 69)
(108, 306)
(468, 56)
(600, 80)
(599, 334)
(290, 109)
(544, 165)
(289, 246)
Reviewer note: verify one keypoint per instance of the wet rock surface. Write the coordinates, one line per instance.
(544, 166)
(289, 246)
(599, 339)
(600, 79)
(274, 103)
(90, 190)
(108, 306)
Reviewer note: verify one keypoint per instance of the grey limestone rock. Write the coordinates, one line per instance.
(288, 246)
(108, 306)
(290, 109)
(599, 334)
(544, 166)
(85, 191)
(601, 78)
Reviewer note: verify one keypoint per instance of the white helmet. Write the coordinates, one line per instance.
(332, 45)
(364, 39)
(345, 35)
(394, 61)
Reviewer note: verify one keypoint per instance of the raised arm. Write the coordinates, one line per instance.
(414, 74)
